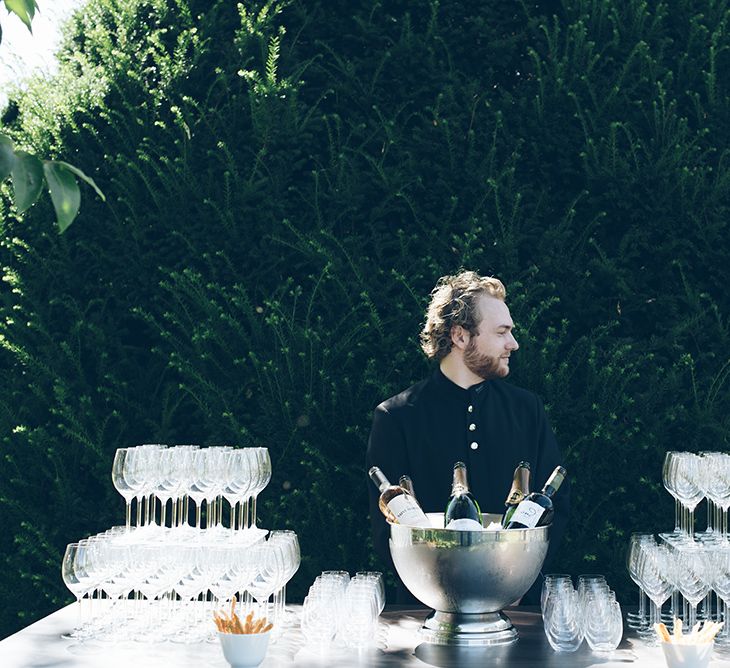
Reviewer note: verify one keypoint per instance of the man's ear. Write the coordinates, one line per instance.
(459, 337)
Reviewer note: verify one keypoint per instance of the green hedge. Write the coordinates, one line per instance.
(285, 182)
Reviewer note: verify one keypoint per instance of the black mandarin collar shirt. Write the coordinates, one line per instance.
(491, 427)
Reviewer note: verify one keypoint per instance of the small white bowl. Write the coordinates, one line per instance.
(244, 650)
(687, 656)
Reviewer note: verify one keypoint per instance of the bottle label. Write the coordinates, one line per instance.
(408, 512)
(528, 513)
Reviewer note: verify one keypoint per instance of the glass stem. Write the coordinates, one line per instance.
(692, 615)
(677, 516)
(642, 608)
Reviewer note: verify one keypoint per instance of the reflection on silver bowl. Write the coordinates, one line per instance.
(467, 577)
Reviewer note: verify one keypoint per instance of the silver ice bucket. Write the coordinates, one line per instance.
(467, 577)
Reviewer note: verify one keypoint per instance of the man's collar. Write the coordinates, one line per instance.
(450, 387)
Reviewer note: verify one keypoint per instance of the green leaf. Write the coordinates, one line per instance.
(83, 177)
(23, 9)
(27, 175)
(65, 193)
(7, 156)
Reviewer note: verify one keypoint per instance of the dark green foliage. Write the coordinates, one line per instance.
(284, 186)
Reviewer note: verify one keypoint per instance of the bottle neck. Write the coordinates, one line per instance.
(553, 483)
(378, 477)
(459, 484)
(520, 485)
(407, 484)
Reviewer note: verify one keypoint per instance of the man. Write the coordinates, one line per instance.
(464, 412)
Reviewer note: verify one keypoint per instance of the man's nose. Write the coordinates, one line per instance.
(512, 342)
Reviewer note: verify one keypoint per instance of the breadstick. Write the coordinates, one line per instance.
(237, 624)
(662, 632)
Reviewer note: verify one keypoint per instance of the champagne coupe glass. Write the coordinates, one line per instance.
(75, 577)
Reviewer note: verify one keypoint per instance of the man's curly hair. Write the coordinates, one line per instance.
(454, 302)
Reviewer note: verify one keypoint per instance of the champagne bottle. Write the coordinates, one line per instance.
(407, 484)
(520, 489)
(398, 506)
(462, 512)
(536, 509)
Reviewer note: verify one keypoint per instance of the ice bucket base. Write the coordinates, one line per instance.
(464, 629)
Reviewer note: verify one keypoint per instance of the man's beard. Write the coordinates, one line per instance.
(484, 366)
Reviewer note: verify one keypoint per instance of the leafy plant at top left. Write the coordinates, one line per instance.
(28, 172)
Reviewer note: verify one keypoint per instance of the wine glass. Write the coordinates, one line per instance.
(239, 482)
(712, 487)
(683, 473)
(656, 573)
(264, 476)
(216, 466)
(124, 479)
(292, 559)
(272, 567)
(147, 464)
(668, 478)
(719, 489)
(75, 577)
(115, 557)
(691, 577)
(719, 558)
(639, 620)
(200, 482)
